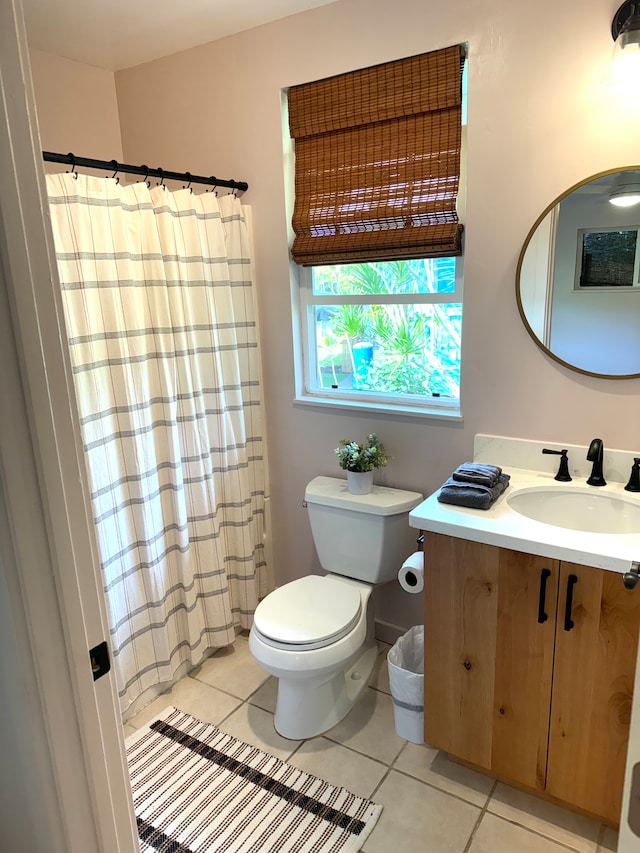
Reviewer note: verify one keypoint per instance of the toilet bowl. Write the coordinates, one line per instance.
(316, 634)
(322, 665)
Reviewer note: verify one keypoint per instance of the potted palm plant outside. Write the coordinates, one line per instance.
(359, 461)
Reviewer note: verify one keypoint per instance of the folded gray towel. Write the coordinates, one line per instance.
(477, 472)
(473, 495)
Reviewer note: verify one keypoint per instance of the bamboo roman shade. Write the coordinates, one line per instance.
(377, 162)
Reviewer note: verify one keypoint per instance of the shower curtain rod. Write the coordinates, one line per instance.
(144, 171)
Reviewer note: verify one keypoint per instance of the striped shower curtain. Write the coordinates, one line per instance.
(159, 311)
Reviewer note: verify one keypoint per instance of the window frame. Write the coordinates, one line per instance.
(307, 391)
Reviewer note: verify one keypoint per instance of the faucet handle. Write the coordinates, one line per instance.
(563, 474)
(634, 479)
(595, 454)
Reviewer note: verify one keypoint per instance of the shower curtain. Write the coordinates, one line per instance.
(159, 310)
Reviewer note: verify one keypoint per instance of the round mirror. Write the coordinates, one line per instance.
(578, 276)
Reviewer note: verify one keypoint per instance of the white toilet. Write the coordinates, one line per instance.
(316, 634)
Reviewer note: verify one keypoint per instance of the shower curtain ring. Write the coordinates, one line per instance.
(161, 176)
(214, 181)
(73, 164)
(188, 186)
(114, 163)
(146, 175)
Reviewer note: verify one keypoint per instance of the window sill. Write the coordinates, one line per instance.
(435, 413)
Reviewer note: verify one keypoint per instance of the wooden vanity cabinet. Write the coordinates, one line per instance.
(509, 689)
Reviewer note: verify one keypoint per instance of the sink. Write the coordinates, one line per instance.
(578, 509)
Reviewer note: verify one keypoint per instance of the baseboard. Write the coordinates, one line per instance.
(387, 633)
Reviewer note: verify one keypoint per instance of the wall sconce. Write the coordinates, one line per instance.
(625, 29)
(626, 190)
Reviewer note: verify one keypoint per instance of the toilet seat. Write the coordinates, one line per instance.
(308, 613)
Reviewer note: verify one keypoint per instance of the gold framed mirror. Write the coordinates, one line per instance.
(578, 276)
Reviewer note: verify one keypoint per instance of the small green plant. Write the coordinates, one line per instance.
(362, 457)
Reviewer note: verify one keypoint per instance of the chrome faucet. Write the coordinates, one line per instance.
(595, 454)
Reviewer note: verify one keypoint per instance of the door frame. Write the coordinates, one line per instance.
(51, 561)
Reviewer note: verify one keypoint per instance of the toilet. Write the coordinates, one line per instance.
(316, 634)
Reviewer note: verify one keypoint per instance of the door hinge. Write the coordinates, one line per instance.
(100, 663)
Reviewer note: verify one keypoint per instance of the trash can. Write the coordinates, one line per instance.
(406, 677)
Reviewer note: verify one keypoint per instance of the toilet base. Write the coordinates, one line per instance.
(305, 709)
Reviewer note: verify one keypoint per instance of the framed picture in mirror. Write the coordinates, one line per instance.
(607, 258)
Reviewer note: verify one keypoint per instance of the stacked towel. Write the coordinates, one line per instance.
(476, 472)
(474, 486)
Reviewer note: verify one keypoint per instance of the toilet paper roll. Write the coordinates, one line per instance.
(411, 574)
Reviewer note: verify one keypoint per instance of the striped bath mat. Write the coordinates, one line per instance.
(199, 790)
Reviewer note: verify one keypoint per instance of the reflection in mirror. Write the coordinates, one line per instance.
(578, 279)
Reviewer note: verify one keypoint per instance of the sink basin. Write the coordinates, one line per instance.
(578, 509)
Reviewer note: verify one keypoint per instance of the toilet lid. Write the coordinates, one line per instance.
(312, 609)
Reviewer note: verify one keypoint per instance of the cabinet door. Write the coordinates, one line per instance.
(527, 602)
(488, 661)
(596, 646)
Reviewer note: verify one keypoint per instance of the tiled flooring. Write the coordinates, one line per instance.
(431, 805)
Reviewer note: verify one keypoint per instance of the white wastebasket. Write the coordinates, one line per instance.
(406, 677)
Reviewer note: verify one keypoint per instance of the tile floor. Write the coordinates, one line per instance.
(431, 805)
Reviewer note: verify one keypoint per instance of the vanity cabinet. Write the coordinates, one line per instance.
(529, 669)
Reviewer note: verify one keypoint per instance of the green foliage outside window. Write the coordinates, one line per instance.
(408, 348)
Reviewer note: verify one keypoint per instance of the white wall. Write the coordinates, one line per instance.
(77, 108)
(539, 120)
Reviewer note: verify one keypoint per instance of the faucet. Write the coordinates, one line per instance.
(595, 454)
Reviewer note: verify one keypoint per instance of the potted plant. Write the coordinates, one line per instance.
(359, 460)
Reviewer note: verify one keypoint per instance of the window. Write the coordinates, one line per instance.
(377, 235)
(385, 333)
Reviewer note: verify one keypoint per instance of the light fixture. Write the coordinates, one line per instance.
(625, 29)
(626, 190)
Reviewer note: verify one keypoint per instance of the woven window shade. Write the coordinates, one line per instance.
(377, 162)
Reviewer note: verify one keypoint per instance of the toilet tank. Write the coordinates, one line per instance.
(365, 537)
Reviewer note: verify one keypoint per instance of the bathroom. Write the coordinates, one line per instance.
(541, 116)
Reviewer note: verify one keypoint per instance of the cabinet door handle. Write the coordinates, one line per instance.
(572, 580)
(544, 574)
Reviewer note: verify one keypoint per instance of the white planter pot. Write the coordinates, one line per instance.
(360, 482)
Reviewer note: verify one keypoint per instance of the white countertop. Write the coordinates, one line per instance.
(502, 526)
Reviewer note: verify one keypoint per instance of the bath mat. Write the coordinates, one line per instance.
(199, 790)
